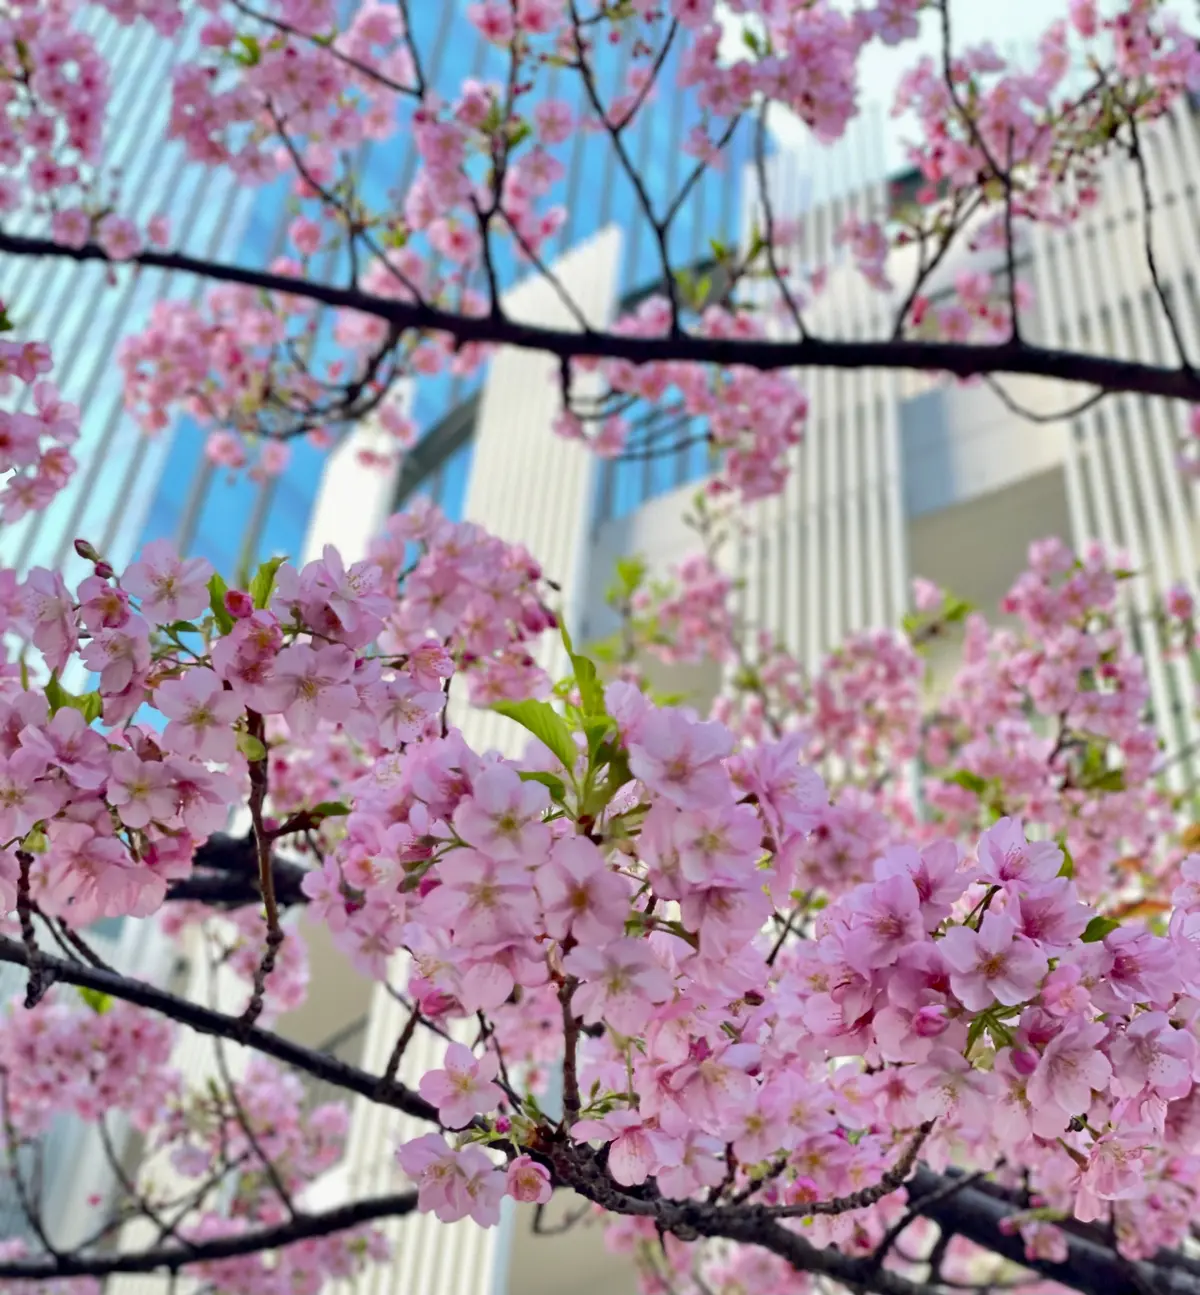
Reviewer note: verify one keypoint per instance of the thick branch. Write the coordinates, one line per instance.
(1090, 1268)
(301, 1228)
(218, 1025)
(226, 875)
(961, 359)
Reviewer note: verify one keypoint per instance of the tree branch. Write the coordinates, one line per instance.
(226, 875)
(960, 359)
(1090, 1268)
(218, 1025)
(302, 1228)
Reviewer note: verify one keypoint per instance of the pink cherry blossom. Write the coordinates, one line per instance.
(463, 1088)
(170, 588)
(502, 817)
(1070, 1068)
(200, 713)
(141, 790)
(453, 1184)
(993, 963)
(682, 760)
(580, 896)
(307, 685)
(525, 1180)
(618, 983)
(1006, 856)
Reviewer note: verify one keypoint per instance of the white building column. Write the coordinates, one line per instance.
(529, 487)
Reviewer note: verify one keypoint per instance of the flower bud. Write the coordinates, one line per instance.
(239, 604)
(86, 551)
(930, 1021)
(104, 571)
(1024, 1060)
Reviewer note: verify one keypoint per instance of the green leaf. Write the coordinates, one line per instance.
(217, 589)
(329, 809)
(90, 705)
(97, 1001)
(558, 790)
(1098, 928)
(251, 747)
(249, 52)
(596, 728)
(956, 610)
(1068, 864)
(24, 675)
(968, 780)
(56, 694)
(1110, 780)
(181, 627)
(263, 583)
(546, 724)
(591, 691)
(630, 574)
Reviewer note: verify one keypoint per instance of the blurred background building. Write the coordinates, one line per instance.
(899, 475)
(131, 489)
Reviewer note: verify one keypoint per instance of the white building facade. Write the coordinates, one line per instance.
(899, 475)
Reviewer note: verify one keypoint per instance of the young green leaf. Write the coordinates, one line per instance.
(330, 809)
(98, 1001)
(251, 747)
(969, 781)
(557, 787)
(546, 724)
(1098, 928)
(217, 589)
(263, 584)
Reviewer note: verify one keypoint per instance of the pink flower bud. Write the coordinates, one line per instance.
(930, 1021)
(104, 571)
(86, 551)
(239, 604)
(1024, 1060)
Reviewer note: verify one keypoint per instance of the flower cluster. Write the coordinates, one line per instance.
(33, 445)
(298, 91)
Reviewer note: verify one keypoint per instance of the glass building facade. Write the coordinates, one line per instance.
(84, 318)
(129, 488)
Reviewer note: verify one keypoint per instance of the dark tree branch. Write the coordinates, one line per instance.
(959, 359)
(301, 1228)
(218, 1025)
(1090, 1267)
(226, 875)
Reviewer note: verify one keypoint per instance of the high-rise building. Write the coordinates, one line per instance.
(130, 489)
(900, 474)
(70, 305)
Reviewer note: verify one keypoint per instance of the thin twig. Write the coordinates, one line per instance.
(266, 877)
(887, 1184)
(38, 984)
